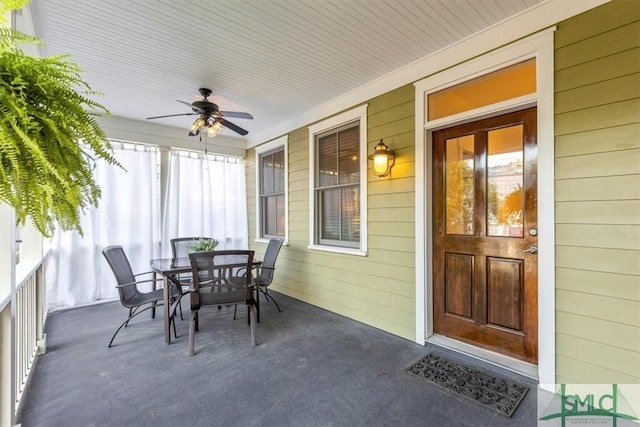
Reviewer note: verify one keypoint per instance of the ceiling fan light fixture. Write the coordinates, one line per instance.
(195, 127)
(213, 129)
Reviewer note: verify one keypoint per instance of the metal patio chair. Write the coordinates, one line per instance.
(131, 296)
(266, 270)
(220, 278)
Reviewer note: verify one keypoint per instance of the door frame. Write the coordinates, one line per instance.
(539, 46)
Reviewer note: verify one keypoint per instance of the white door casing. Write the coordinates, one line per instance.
(540, 47)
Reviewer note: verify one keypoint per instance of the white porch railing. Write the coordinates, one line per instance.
(30, 316)
(22, 319)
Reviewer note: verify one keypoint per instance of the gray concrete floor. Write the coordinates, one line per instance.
(310, 368)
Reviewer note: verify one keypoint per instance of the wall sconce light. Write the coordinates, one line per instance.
(383, 159)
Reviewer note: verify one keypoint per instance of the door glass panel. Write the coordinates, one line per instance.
(459, 182)
(505, 199)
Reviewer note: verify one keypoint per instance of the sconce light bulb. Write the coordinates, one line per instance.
(380, 164)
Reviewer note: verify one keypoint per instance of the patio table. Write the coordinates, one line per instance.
(168, 267)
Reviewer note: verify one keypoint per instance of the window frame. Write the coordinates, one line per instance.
(358, 114)
(272, 146)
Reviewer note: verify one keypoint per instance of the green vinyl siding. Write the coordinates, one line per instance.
(597, 171)
(377, 289)
(597, 208)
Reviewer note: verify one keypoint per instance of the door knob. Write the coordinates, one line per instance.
(531, 250)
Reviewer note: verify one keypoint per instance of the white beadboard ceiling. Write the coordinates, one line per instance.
(275, 59)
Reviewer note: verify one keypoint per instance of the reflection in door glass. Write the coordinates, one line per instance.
(459, 181)
(505, 199)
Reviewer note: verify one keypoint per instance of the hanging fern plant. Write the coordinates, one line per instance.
(49, 138)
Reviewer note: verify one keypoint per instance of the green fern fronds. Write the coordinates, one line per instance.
(49, 138)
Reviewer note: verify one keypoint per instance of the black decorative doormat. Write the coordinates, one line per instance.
(484, 387)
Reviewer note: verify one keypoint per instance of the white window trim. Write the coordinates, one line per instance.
(539, 46)
(282, 142)
(356, 114)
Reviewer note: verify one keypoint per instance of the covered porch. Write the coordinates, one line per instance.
(317, 367)
(311, 368)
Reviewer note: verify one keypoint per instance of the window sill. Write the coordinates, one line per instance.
(346, 251)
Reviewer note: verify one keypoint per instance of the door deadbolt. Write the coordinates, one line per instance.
(533, 232)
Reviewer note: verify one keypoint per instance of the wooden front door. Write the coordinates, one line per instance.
(485, 234)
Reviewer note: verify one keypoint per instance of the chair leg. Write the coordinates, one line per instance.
(118, 330)
(133, 312)
(172, 315)
(192, 332)
(175, 282)
(173, 320)
(235, 309)
(179, 304)
(267, 297)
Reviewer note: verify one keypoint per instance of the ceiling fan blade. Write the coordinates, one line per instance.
(236, 115)
(173, 115)
(185, 103)
(231, 126)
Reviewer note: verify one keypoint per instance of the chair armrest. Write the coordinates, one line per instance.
(241, 269)
(146, 272)
(136, 282)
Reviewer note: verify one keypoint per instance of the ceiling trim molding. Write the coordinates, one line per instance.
(528, 22)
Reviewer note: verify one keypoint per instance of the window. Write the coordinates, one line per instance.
(271, 190)
(338, 183)
(272, 193)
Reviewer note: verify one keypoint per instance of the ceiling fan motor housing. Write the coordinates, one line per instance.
(204, 106)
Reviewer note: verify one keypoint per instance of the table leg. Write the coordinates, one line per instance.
(166, 310)
(258, 303)
(153, 287)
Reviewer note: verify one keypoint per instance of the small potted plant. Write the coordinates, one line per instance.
(203, 245)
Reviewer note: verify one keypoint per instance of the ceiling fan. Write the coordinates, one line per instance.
(210, 118)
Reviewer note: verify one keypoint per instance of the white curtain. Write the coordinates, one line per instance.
(128, 214)
(205, 196)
